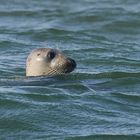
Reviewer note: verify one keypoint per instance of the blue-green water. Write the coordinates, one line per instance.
(100, 100)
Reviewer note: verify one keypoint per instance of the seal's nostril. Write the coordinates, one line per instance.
(72, 62)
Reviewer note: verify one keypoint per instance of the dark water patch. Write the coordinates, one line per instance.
(129, 98)
(10, 104)
(14, 124)
(19, 13)
(23, 81)
(66, 34)
(105, 136)
(123, 26)
(112, 75)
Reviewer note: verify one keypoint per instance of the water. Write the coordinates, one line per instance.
(100, 99)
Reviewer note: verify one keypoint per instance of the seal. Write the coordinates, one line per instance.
(47, 62)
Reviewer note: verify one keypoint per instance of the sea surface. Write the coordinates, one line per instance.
(100, 100)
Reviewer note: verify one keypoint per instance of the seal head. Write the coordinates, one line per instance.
(47, 61)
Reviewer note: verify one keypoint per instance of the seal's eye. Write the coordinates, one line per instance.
(51, 54)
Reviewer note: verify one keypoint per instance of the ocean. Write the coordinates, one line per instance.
(100, 99)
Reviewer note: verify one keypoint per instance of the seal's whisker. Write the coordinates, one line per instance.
(55, 71)
(52, 72)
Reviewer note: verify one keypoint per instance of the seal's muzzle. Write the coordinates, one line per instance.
(71, 65)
